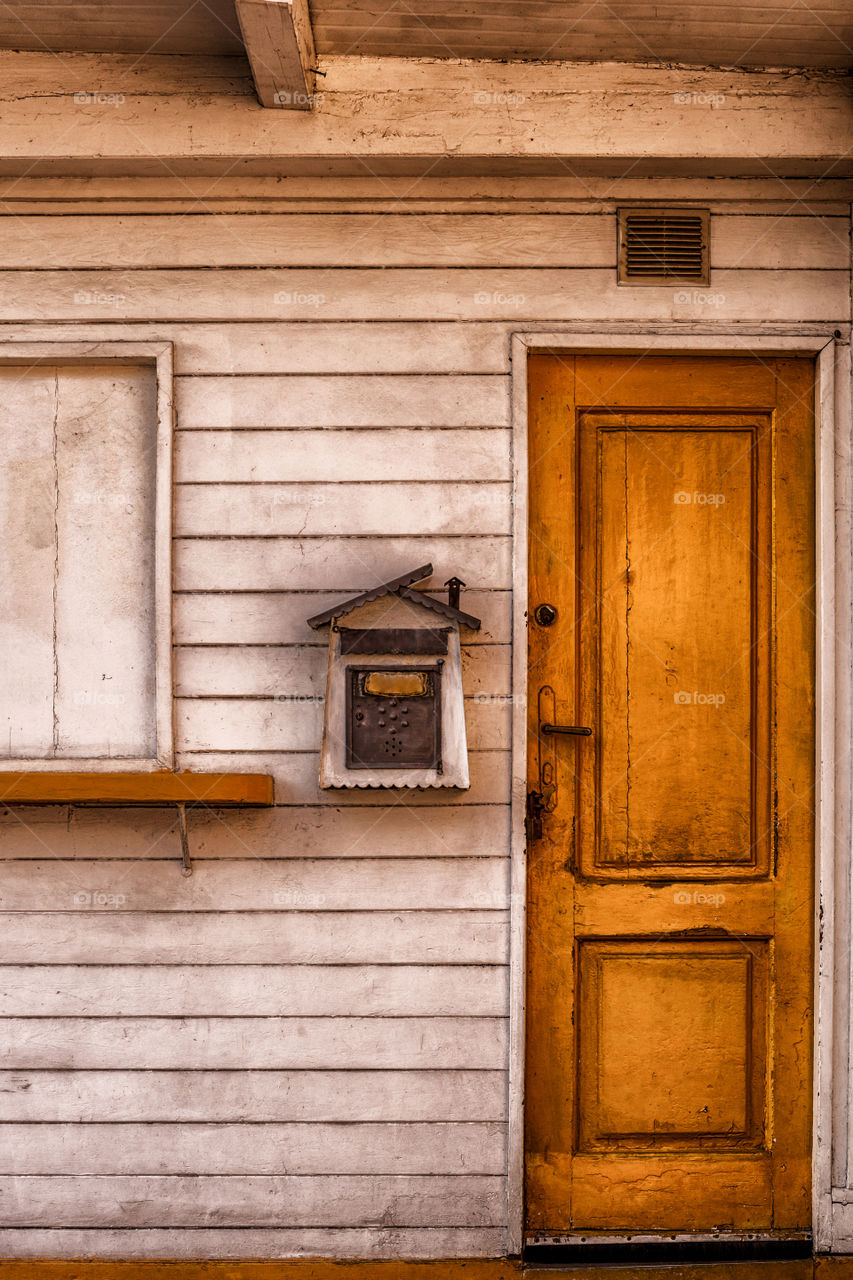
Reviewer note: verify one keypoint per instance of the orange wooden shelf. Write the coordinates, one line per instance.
(214, 789)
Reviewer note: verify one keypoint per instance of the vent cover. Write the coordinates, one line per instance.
(662, 246)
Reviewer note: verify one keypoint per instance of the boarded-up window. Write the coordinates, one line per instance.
(78, 455)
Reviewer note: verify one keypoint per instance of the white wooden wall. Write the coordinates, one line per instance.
(303, 1047)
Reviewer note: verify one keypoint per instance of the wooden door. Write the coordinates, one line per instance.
(670, 874)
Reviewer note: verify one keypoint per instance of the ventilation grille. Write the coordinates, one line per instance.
(657, 246)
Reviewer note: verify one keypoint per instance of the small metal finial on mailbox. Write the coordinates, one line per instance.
(454, 590)
(394, 707)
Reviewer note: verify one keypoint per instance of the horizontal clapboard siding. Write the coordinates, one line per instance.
(370, 239)
(253, 1201)
(252, 1242)
(343, 401)
(247, 884)
(291, 831)
(302, 1097)
(283, 1043)
(302, 1049)
(239, 990)
(531, 296)
(344, 565)
(259, 937)
(352, 454)
(396, 240)
(349, 1149)
(316, 510)
(278, 347)
(279, 617)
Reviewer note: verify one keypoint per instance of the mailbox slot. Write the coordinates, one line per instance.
(394, 717)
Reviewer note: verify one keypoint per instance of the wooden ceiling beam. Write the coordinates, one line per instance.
(398, 116)
(280, 46)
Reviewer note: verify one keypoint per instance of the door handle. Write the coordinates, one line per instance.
(545, 798)
(576, 730)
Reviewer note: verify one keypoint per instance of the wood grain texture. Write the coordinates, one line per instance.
(157, 788)
(278, 347)
(673, 1030)
(391, 825)
(199, 116)
(517, 294)
(330, 456)
(415, 238)
(314, 510)
(830, 1267)
(224, 885)
(682, 671)
(346, 240)
(428, 400)
(342, 565)
(430, 193)
(222, 991)
(349, 1150)
(653, 1112)
(416, 937)
(792, 1269)
(252, 1096)
(696, 33)
(163, 26)
(415, 1201)
(232, 1043)
(280, 46)
(466, 1253)
(280, 617)
(74, 498)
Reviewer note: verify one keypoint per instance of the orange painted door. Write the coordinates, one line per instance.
(670, 856)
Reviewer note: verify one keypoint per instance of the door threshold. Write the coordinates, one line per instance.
(660, 1250)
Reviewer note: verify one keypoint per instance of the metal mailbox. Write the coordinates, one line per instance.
(394, 708)
(394, 718)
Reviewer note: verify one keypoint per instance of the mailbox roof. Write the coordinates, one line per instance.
(401, 586)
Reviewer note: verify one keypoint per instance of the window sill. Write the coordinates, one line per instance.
(213, 790)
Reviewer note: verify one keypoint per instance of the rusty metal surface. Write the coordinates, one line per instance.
(384, 588)
(394, 640)
(388, 731)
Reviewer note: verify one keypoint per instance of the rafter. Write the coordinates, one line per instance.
(280, 46)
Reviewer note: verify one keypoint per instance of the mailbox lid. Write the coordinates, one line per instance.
(394, 640)
(394, 717)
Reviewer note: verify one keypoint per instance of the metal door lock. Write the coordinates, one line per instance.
(533, 817)
(546, 797)
(545, 615)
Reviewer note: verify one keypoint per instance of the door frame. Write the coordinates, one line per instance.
(830, 348)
